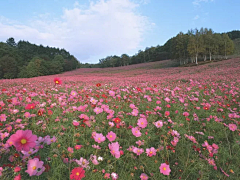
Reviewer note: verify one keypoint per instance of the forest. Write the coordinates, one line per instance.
(195, 45)
(24, 60)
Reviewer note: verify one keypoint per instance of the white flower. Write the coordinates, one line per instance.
(100, 158)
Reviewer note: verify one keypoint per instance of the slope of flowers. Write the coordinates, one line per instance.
(175, 123)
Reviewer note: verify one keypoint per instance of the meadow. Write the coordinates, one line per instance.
(145, 121)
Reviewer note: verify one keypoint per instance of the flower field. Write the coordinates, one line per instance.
(135, 122)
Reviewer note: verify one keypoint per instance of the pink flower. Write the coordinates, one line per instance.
(164, 169)
(186, 114)
(70, 149)
(18, 177)
(114, 149)
(232, 127)
(96, 146)
(98, 110)
(23, 140)
(35, 167)
(167, 113)
(134, 112)
(139, 142)
(27, 114)
(3, 117)
(142, 123)
(78, 147)
(167, 99)
(75, 123)
(4, 135)
(144, 176)
(136, 132)
(114, 176)
(111, 93)
(17, 169)
(151, 152)
(73, 93)
(158, 124)
(107, 176)
(111, 136)
(138, 151)
(132, 106)
(99, 138)
(82, 162)
(94, 159)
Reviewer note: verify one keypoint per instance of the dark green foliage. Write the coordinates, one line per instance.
(8, 67)
(24, 60)
(234, 34)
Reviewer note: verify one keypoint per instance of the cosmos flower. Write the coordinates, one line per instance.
(77, 173)
(23, 140)
(35, 167)
(164, 169)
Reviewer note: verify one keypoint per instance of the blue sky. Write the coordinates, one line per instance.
(94, 29)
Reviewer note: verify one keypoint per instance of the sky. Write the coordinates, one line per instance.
(94, 29)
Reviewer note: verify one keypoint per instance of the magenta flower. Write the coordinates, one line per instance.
(232, 127)
(23, 140)
(114, 149)
(99, 137)
(136, 132)
(164, 169)
(151, 152)
(1, 169)
(142, 123)
(35, 167)
(144, 176)
(111, 136)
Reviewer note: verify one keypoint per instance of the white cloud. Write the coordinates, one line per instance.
(198, 2)
(106, 27)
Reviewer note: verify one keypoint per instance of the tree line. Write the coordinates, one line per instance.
(190, 47)
(25, 60)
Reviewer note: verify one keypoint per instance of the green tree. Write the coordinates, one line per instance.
(228, 45)
(195, 45)
(125, 59)
(11, 42)
(8, 67)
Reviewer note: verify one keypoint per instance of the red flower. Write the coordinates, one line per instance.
(47, 167)
(117, 120)
(77, 173)
(98, 84)
(30, 106)
(57, 81)
(40, 112)
(206, 108)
